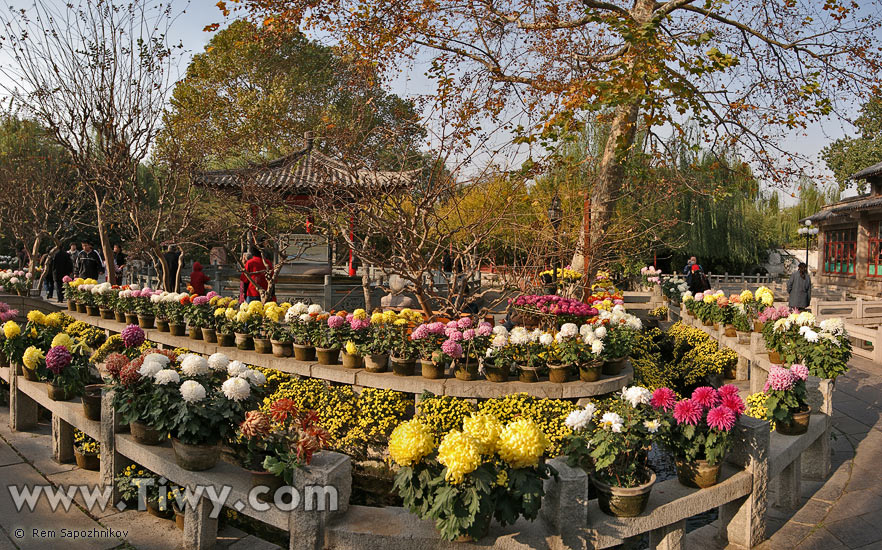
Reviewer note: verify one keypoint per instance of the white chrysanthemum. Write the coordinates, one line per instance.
(192, 391)
(833, 325)
(165, 376)
(597, 347)
(149, 368)
(519, 336)
(291, 315)
(500, 340)
(159, 358)
(218, 361)
(305, 318)
(235, 368)
(568, 330)
(579, 419)
(236, 389)
(612, 421)
(636, 395)
(634, 322)
(500, 329)
(300, 308)
(194, 365)
(546, 339)
(651, 426)
(810, 336)
(314, 309)
(256, 377)
(600, 332)
(805, 318)
(585, 329)
(535, 335)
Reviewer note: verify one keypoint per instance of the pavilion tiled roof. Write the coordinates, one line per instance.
(842, 208)
(875, 170)
(305, 172)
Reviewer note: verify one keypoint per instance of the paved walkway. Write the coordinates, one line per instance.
(844, 512)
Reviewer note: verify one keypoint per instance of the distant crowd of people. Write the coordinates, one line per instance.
(799, 286)
(83, 261)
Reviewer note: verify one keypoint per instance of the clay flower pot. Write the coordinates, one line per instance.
(196, 458)
(195, 333)
(432, 370)
(590, 372)
(496, 373)
(144, 434)
(71, 305)
(162, 325)
(798, 425)
(402, 367)
(81, 307)
(698, 474)
(466, 369)
(154, 510)
(282, 349)
(146, 321)
(87, 461)
(119, 316)
(209, 335)
(30, 374)
(612, 367)
(92, 401)
(57, 393)
(376, 362)
(558, 373)
(93, 311)
(263, 345)
(226, 340)
(731, 332)
(106, 313)
(244, 341)
(270, 482)
(176, 330)
(131, 318)
(528, 374)
(352, 360)
(179, 516)
(623, 502)
(328, 356)
(775, 357)
(304, 353)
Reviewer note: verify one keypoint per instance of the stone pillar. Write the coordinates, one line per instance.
(565, 504)
(669, 537)
(787, 485)
(112, 463)
(22, 409)
(816, 458)
(743, 521)
(758, 377)
(330, 477)
(62, 440)
(200, 529)
(862, 253)
(742, 369)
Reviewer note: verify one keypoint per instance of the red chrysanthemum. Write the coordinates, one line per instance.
(687, 411)
(705, 396)
(129, 374)
(282, 408)
(663, 398)
(734, 403)
(172, 356)
(115, 363)
(721, 418)
(255, 424)
(728, 389)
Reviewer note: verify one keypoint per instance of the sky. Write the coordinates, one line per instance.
(188, 29)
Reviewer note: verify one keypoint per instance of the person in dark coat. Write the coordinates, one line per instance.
(62, 266)
(198, 278)
(697, 280)
(799, 287)
(48, 279)
(89, 263)
(172, 257)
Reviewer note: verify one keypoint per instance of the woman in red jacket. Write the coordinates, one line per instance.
(258, 268)
(198, 279)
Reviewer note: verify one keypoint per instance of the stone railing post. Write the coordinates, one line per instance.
(743, 521)
(112, 463)
(62, 440)
(565, 504)
(200, 528)
(22, 409)
(325, 487)
(816, 458)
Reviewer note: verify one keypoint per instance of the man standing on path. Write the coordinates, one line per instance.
(800, 288)
(119, 262)
(172, 257)
(89, 264)
(62, 266)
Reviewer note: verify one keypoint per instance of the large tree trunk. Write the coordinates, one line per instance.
(105, 241)
(366, 288)
(32, 268)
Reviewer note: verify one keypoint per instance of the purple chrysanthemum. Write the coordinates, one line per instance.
(663, 398)
(705, 396)
(687, 411)
(57, 359)
(721, 418)
(132, 336)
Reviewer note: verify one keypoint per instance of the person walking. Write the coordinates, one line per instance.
(799, 287)
(119, 262)
(89, 263)
(172, 257)
(62, 266)
(697, 280)
(687, 269)
(198, 278)
(48, 279)
(257, 269)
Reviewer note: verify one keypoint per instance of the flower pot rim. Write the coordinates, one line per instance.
(279, 342)
(303, 346)
(80, 452)
(201, 445)
(625, 491)
(326, 349)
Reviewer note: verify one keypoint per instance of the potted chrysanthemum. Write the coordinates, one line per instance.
(698, 430)
(613, 449)
(486, 471)
(334, 332)
(786, 403)
(133, 384)
(33, 364)
(499, 358)
(66, 376)
(87, 452)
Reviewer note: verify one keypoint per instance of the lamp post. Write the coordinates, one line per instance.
(808, 231)
(555, 215)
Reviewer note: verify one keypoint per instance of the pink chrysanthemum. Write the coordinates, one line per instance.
(437, 327)
(734, 403)
(468, 334)
(687, 411)
(57, 359)
(663, 398)
(359, 324)
(705, 396)
(780, 379)
(801, 372)
(454, 335)
(132, 336)
(485, 329)
(721, 418)
(452, 348)
(728, 389)
(464, 323)
(419, 333)
(335, 321)
(201, 300)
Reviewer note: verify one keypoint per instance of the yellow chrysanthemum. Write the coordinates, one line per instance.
(220, 312)
(522, 443)
(747, 296)
(36, 316)
(90, 282)
(54, 319)
(389, 317)
(62, 339)
(360, 314)
(242, 317)
(350, 348)
(502, 478)
(255, 307)
(460, 454)
(378, 318)
(400, 322)
(230, 313)
(484, 429)
(410, 442)
(11, 329)
(273, 315)
(32, 357)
